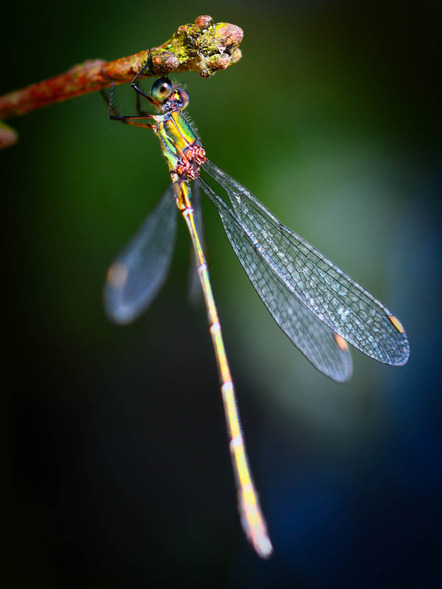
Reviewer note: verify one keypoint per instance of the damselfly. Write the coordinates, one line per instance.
(318, 306)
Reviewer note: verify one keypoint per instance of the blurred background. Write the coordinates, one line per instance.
(116, 467)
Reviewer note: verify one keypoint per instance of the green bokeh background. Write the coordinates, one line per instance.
(117, 466)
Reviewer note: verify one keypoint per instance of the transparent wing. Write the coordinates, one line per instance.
(325, 290)
(312, 337)
(139, 271)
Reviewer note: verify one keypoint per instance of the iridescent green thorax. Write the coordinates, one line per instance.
(180, 146)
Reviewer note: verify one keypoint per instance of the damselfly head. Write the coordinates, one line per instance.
(168, 96)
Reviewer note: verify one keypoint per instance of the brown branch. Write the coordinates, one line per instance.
(8, 135)
(203, 47)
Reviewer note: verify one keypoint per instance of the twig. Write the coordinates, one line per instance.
(203, 47)
(8, 135)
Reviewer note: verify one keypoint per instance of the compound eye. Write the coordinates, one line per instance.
(162, 89)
